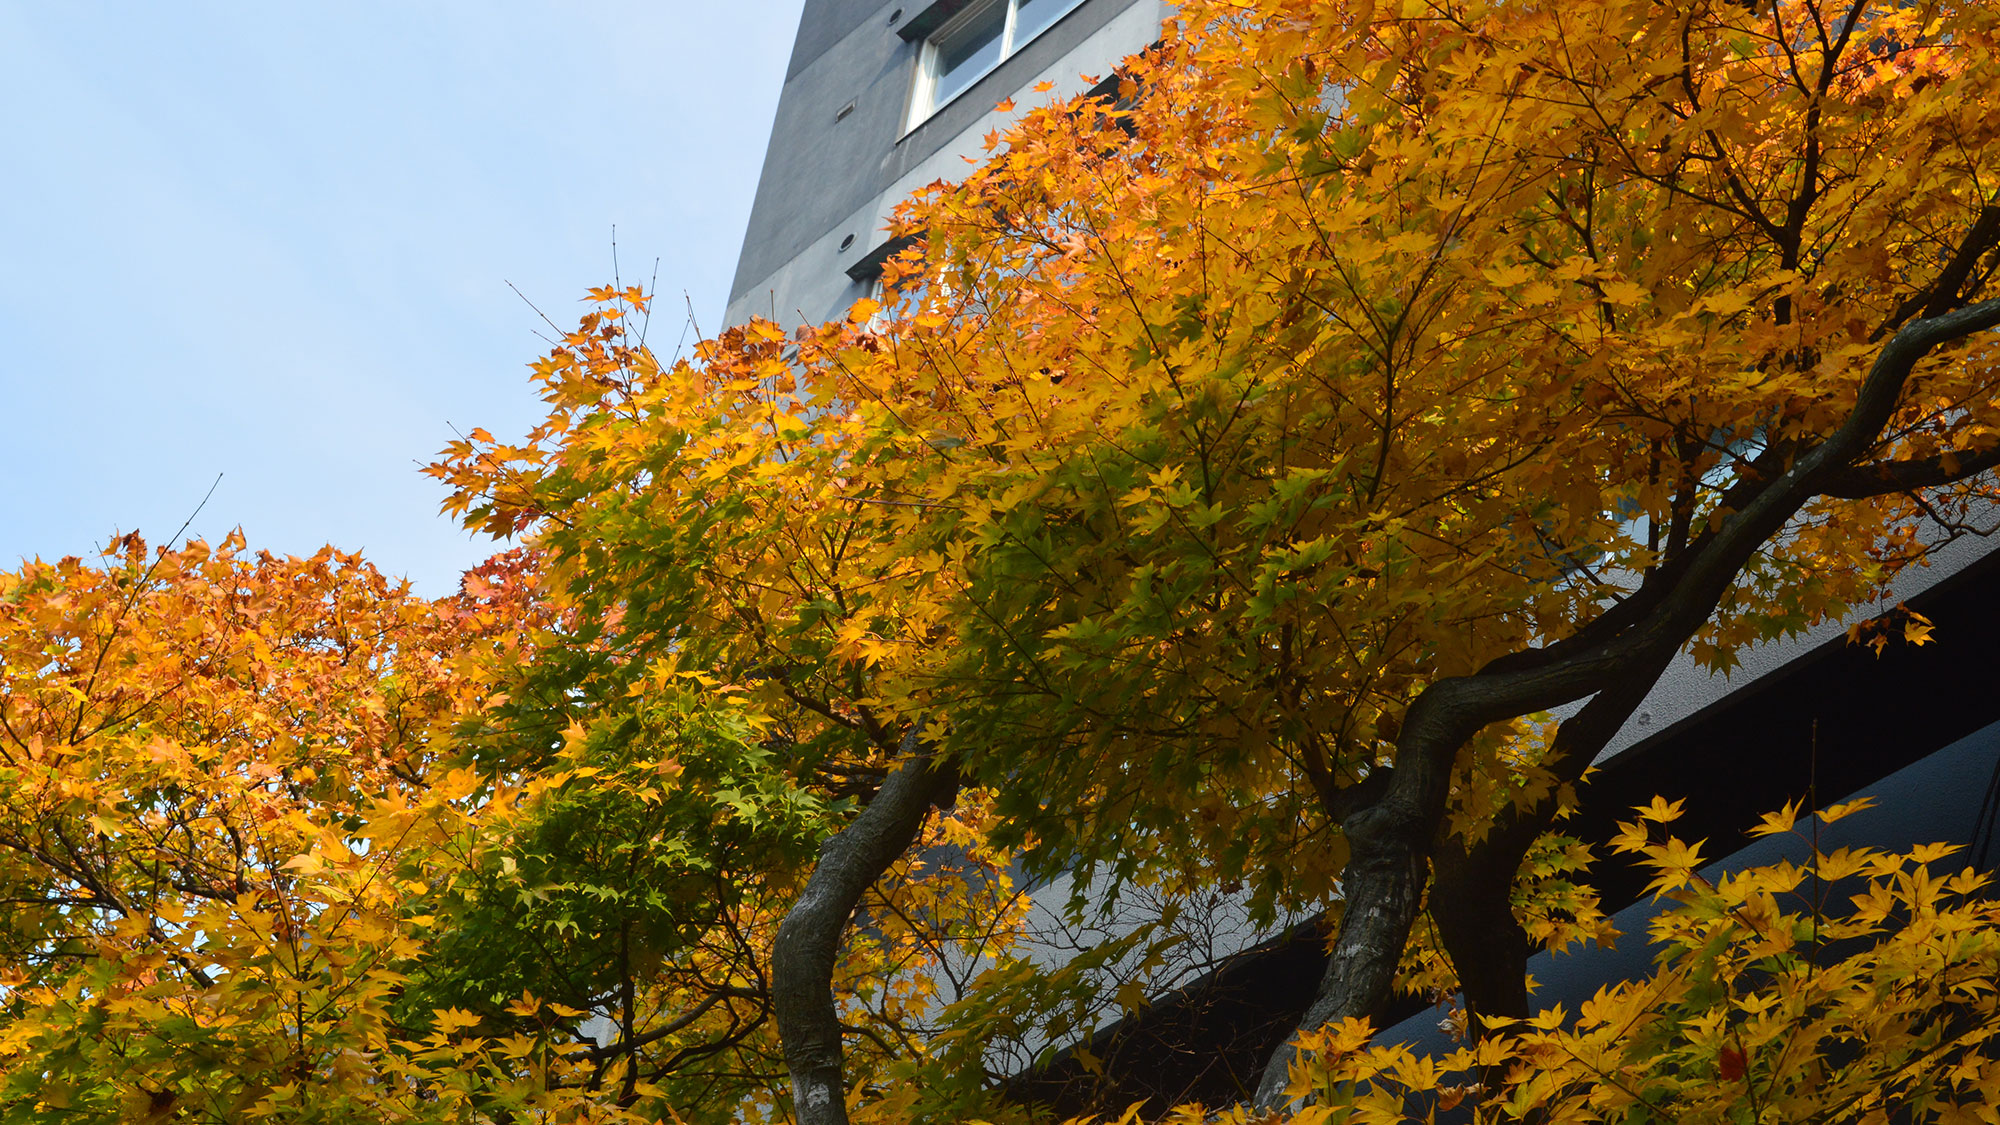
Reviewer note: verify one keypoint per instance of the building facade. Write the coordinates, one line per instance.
(885, 96)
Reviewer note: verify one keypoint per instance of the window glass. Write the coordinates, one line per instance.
(968, 51)
(1032, 17)
(975, 43)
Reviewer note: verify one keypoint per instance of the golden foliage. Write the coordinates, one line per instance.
(1356, 347)
(1856, 985)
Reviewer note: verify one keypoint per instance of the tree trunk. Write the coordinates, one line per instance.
(808, 940)
(1471, 902)
(1388, 849)
(1472, 889)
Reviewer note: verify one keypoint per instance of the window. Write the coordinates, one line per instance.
(976, 40)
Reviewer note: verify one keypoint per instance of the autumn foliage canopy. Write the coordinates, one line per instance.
(1233, 479)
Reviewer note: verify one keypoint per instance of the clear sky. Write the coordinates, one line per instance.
(273, 241)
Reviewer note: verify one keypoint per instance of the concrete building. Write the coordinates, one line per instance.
(885, 96)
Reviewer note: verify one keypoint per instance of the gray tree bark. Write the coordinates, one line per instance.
(808, 941)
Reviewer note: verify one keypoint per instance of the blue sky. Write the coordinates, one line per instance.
(273, 241)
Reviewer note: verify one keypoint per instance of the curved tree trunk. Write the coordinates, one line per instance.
(808, 940)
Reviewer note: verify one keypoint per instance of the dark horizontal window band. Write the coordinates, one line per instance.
(927, 20)
(870, 266)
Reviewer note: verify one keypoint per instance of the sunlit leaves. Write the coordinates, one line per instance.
(217, 831)
(1835, 990)
(1355, 348)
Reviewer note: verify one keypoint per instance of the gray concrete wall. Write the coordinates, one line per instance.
(826, 180)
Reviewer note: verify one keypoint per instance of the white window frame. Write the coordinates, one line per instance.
(923, 100)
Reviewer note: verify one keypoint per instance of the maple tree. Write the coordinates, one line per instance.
(712, 569)
(219, 796)
(281, 840)
(1238, 470)
(1850, 985)
(1235, 478)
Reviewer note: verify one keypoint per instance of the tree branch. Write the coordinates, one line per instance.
(1883, 478)
(1944, 292)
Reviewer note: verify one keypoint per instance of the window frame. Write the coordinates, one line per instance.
(923, 97)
